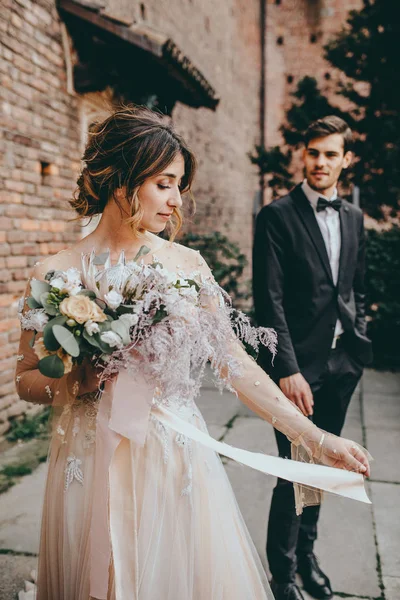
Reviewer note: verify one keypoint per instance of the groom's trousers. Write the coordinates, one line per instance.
(289, 535)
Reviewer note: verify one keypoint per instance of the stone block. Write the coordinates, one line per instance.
(386, 502)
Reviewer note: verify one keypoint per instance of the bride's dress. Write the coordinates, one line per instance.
(175, 530)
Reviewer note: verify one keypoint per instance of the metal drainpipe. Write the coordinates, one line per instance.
(258, 200)
(263, 81)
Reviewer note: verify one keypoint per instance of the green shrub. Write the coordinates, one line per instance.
(383, 296)
(224, 259)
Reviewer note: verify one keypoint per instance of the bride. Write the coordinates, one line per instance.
(145, 511)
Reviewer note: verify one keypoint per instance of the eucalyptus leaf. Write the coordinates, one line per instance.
(49, 340)
(101, 303)
(91, 339)
(51, 366)
(31, 302)
(88, 293)
(105, 348)
(122, 330)
(142, 252)
(104, 326)
(66, 340)
(38, 288)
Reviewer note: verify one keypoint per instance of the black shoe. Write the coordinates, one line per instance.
(315, 582)
(286, 591)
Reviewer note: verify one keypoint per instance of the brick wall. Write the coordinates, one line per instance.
(40, 147)
(297, 30)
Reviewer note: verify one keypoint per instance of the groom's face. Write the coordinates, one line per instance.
(324, 159)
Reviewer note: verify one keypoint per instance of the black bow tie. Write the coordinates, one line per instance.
(323, 204)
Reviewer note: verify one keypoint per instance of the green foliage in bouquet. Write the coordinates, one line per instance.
(97, 312)
(383, 296)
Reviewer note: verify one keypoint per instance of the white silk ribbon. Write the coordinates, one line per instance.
(124, 412)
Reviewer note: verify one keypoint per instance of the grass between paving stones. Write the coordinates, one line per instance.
(28, 446)
(27, 457)
(28, 427)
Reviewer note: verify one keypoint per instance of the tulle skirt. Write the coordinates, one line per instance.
(176, 530)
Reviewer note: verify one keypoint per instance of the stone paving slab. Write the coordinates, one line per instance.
(346, 546)
(13, 571)
(384, 445)
(20, 513)
(217, 409)
(386, 499)
(382, 411)
(383, 383)
(392, 588)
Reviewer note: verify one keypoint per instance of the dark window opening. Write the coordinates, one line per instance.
(278, 2)
(143, 11)
(45, 169)
(327, 76)
(313, 38)
(290, 78)
(280, 40)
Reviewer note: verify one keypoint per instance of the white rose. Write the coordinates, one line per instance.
(68, 282)
(130, 319)
(57, 282)
(112, 339)
(91, 327)
(113, 299)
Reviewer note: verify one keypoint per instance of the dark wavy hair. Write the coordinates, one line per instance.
(327, 126)
(129, 146)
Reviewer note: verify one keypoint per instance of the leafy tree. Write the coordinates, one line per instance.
(366, 51)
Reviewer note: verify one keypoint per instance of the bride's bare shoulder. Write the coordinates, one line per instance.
(70, 257)
(188, 257)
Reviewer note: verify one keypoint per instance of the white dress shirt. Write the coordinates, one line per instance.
(329, 224)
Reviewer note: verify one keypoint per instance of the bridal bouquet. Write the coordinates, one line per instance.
(97, 314)
(140, 317)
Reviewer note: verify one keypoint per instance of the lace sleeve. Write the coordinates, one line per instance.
(31, 385)
(257, 391)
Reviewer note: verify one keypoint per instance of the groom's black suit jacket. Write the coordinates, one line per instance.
(294, 290)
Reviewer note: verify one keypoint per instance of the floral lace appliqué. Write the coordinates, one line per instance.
(73, 471)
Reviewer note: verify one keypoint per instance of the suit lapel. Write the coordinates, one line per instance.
(307, 215)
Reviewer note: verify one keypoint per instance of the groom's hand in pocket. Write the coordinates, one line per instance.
(296, 388)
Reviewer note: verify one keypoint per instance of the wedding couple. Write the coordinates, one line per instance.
(137, 503)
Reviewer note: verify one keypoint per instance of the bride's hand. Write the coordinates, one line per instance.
(89, 377)
(343, 454)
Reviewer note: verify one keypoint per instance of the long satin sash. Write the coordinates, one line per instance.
(124, 413)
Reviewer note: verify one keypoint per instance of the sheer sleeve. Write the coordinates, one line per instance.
(31, 385)
(257, 391)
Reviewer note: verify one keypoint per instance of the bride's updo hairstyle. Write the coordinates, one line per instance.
(129, 146)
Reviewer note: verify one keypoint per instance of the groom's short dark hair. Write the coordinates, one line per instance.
(327, 126)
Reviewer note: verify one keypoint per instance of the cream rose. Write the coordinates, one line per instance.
(82, 309)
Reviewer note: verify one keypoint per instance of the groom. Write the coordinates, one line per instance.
(308, 283)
